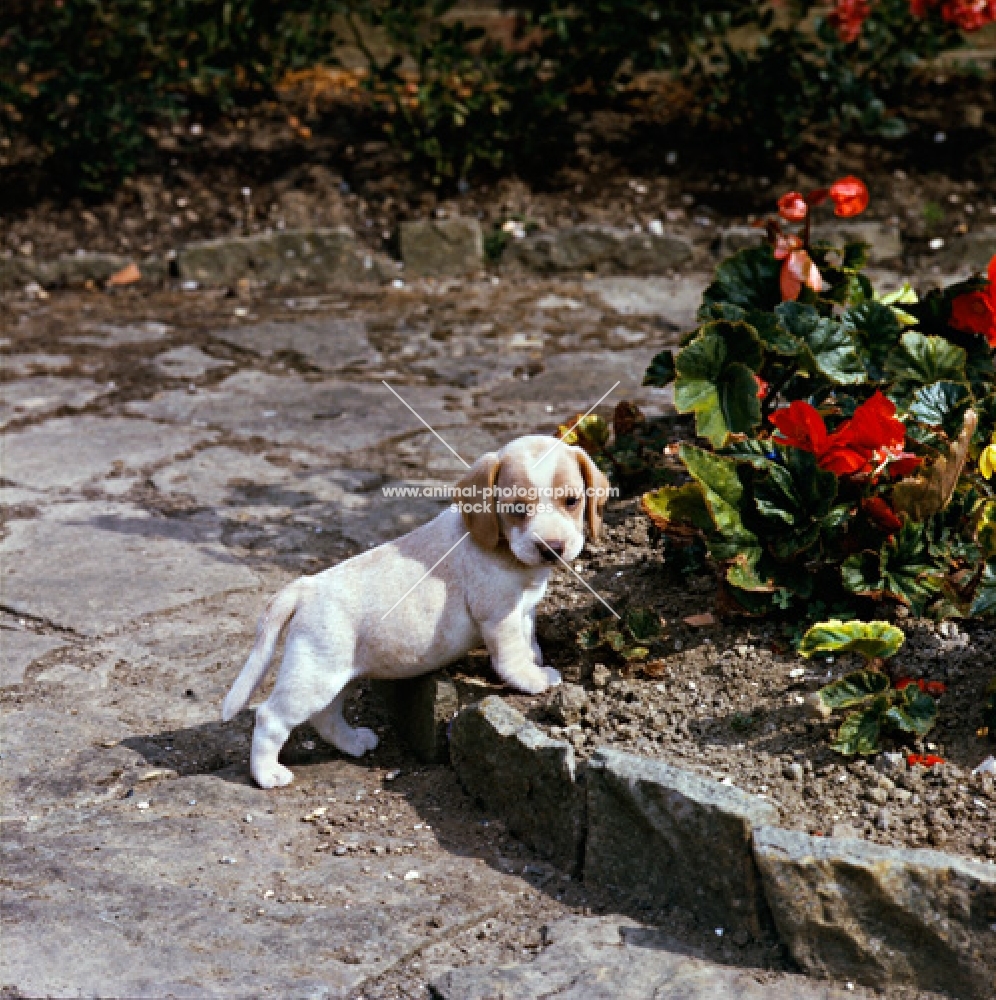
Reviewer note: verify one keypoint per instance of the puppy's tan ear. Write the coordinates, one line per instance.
(476, 496)
(596, 489)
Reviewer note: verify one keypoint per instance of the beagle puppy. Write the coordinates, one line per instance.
(473, 574)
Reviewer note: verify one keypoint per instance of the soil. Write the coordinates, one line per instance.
(260, 172)
(727, 701)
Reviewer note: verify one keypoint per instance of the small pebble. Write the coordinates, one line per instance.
(226, 861)
(143, 805)
(412, 876)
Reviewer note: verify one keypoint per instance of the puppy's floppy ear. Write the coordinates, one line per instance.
(596, 490)
(477, 490)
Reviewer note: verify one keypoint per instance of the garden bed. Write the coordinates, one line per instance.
(728, 701)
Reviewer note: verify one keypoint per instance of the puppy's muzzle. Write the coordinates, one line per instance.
(550, 552)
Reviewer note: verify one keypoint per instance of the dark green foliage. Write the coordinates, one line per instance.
(84, 80)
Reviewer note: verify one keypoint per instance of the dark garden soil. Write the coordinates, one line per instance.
(727, 700)
(629, 168)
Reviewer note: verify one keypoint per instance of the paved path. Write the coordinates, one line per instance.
(167, 464)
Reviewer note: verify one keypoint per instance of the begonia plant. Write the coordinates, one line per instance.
(847, 436)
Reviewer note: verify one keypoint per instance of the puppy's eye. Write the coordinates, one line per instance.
(571, 502)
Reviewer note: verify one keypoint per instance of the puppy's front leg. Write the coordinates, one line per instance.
(529, 631)
(512, 657)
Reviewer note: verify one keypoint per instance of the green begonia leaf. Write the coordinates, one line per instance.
(902, 569)
(832, 351)
(877, 329)
(660, 372)
(678, 505)
(715, 381)
(942, 405)
(870, 639)
(748, 279)
(913, 711)
(860, 732)
(924, 360)
(854, 689)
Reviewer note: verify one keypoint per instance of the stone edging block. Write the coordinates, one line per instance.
(655, 833)
(442, 247)
(528, 779)
(601, 249)
(660, 834)
(882, 916)
(312, 256)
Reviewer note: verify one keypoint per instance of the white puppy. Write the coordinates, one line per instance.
(475, 573)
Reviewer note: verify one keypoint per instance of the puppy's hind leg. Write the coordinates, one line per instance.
(302, 690)
(333, 728)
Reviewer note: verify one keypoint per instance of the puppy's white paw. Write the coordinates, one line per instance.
(356, 742)
(529, 679)
(272, 775)
(552, 676)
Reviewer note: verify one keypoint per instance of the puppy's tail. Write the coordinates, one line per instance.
(271, 624)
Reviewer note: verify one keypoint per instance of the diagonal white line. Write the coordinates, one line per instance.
(438, 438)
(425, 574)
(561, 439)
(572, 569)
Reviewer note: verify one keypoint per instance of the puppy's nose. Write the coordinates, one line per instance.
(551, 551)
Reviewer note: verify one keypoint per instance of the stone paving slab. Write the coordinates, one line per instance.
(674, 300)
(110, 335)
(70, 451)
(330, 343)
(19, 365)
(93, 566)
(244, 487)
(44, 394)
(19, 649)
(578, 379)
(330, 416)
(187, 362)
(613, 958)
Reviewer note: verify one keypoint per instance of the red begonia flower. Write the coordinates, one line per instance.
(934, 688)
(850, 197)
(969, 15)
(903, 683)
(875, 426)
(800, 425)
(923, 759)
(920, 8)
(872, 433)
(798, 269)
(762, 387)
(976, 311)
(881, 515)
(792, 206)
(847, 17)
(784, 245)
(902, 463)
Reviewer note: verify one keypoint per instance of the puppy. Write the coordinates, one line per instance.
(473, 574)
